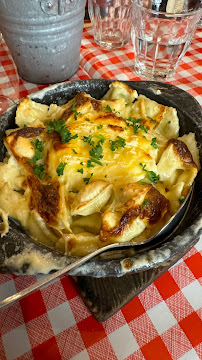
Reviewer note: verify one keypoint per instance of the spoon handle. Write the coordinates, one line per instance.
(84, 259)
(53, 276)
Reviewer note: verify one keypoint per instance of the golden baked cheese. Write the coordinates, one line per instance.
(92, 172)
(102, 128)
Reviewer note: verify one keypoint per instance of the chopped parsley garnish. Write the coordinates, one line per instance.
(96, 151)
(89, 162)
(120, 142)
(25, 125)
(153, 120)
(38, 145)
(152, 176)
(39, 171)
(87, 119)
(154, 143)
(80, 171)
(60, 128)
(82, 163)
(75, 152)
(108, 108)
(60, 168)
(135, 128)
(38, 150)
(55, 125)
(97, 162)
(88, 139)
(101, 137)
(133, 122)
(74, 109)
(143, 128)
(105, 176)
(181, 200)
(121, 189)
(136, 124)
(143, 183)
(87, 179)
(145, 203)
(169, 122)
(100, 127)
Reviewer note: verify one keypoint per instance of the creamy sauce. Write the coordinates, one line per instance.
(160, 256)
(38, 262)
(156, 91)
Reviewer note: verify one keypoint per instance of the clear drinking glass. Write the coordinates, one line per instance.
(160, 38)
(111, 22)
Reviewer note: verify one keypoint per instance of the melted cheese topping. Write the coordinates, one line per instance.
(77, 152)
(92, 172)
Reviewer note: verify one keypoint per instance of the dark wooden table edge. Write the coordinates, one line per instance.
(106, 296)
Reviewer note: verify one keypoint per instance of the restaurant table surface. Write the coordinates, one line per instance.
(164, 321)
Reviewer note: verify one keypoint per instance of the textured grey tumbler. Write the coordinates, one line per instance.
(44, 37)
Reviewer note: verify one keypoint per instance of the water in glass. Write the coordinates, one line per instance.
(160, 41)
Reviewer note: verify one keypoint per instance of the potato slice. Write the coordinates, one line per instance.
(91, 198)
(118, 90)
(177, 165)
(141, 206)
(80, 244)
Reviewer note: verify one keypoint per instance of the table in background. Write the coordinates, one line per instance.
(163, 322)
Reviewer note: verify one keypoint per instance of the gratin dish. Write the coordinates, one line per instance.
(159, 252)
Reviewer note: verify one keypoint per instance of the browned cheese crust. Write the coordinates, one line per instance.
(11, 140)
(45, 198)
(80, 100)
(181, 149)
(157, 207)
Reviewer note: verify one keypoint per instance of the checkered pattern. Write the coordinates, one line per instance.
(119, 64)
(163, 322)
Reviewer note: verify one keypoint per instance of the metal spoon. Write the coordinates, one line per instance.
(175, 220)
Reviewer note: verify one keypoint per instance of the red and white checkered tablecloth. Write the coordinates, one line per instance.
(163, 322)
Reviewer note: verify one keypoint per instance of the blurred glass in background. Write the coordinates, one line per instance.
(111, 22)
(161, 38)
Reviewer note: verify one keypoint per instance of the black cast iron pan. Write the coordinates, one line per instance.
(157, 253)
